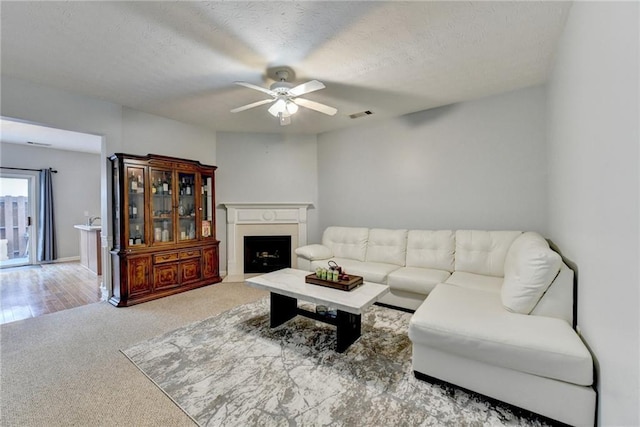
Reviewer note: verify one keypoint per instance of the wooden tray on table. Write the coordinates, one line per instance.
(343, 285)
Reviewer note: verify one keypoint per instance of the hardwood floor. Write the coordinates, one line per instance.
(36, 290)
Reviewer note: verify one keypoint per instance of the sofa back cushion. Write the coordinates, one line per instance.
(431, 249)
(483, 252)
(347, 242)
(529, 269)
(387, 246)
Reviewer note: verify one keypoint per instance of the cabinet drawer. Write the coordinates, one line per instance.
(194, 253)
(167, 257)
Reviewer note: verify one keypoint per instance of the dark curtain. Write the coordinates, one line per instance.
(46, 234)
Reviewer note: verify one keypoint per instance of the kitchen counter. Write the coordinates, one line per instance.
(88, 227)
(90, 247)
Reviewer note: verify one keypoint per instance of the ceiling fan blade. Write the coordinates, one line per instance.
(325, 109)
(252, 105)
(254, 87)
(307, 87)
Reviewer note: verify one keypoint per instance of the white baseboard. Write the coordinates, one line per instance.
(65, 259)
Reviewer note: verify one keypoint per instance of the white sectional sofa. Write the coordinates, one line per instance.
(494, 311)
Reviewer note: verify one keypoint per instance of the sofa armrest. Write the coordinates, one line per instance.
(314, 252)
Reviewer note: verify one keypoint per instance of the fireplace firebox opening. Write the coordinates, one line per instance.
(263, 254)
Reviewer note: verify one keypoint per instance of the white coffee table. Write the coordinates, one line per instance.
(288, 285)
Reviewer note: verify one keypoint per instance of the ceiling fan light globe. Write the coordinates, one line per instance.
(292, 108)
(278, 107)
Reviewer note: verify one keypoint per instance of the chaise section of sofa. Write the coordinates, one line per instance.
(465, 337)
(513, 340)
(493, 311)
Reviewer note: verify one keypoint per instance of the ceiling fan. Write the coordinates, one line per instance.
(286, 97)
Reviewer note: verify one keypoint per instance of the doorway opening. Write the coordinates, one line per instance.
(17, 214)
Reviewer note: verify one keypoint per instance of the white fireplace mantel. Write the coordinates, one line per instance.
(244, 219)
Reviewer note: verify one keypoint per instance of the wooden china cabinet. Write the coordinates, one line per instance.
(164, 227)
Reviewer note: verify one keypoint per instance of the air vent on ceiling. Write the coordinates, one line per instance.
(361, 114)
(39, 144)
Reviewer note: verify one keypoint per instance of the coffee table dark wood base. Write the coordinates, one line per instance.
(348, 325)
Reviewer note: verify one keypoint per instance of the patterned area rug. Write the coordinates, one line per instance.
(234, 370)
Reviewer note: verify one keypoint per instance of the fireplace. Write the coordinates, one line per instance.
(263, 219)
(263, 254)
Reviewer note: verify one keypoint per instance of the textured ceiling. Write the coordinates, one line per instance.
(18, 132)
(180, 59)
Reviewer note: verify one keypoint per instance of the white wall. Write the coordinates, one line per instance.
(478, 164)
(76, 188)
(64, 110)
(594, 191)
(260, 167)
(144, 133)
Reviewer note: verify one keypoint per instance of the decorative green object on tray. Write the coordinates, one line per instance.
(342, 284)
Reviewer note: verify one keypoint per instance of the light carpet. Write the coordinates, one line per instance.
(234, 370)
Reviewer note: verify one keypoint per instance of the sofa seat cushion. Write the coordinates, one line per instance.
(475, 281)
(475, 325)
(375, 272)
(416, 280)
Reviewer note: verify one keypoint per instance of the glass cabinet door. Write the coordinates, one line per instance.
(135, 199)
(161, 206)
(186, 206)
(206, 206)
